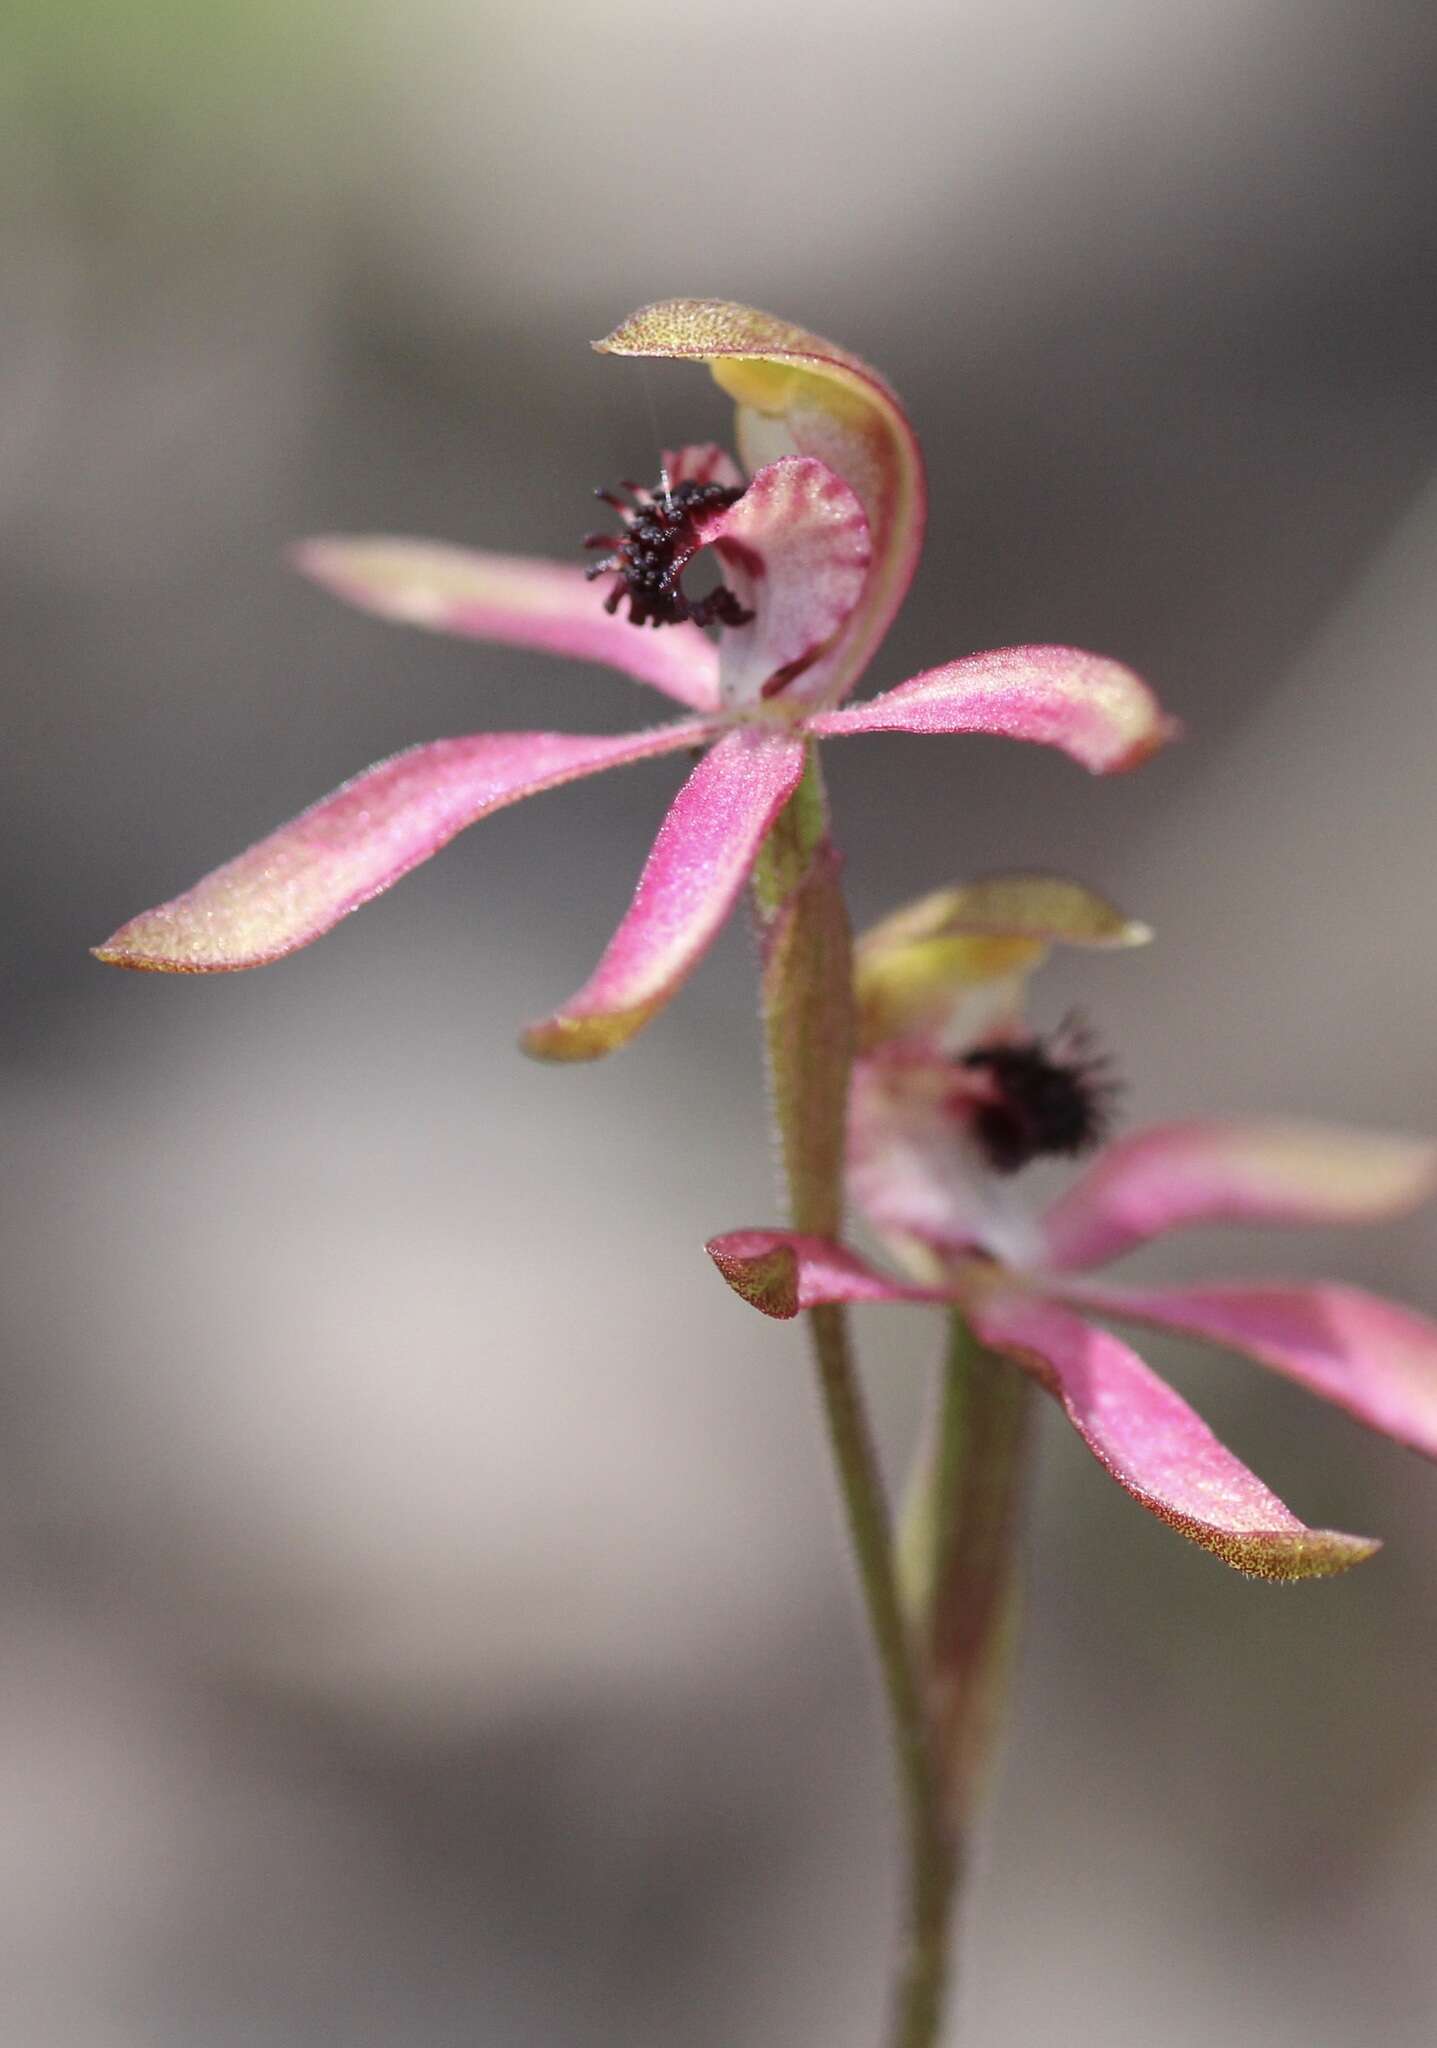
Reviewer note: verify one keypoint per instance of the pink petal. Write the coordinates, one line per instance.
(1371, 1357)
(700, 861)
(797, 393)
(291, 887)
(1095, 710)
(795, 550)
(513, 599)
(781, 1272)
(1175, 1175)
(1153, 1444)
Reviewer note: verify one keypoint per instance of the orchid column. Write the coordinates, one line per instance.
(817, 543)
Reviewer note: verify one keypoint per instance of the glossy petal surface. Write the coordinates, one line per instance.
(519, 601)
(702, 857)
(1094, 710)
(795, 550)
(1153, 1444)
(292, 887)
(782, 1271)
(1175, 1175)
(1374, 1359)
(797, 393)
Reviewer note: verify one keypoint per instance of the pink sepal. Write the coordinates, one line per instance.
(703, 855)
(1094, 710)
(514, 599)
(1153, 1444)
(1373, 1358)
(292, 887)
(1174, 1175)
(782, 1271)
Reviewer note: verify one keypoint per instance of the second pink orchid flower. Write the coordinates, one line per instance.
(946, 1052)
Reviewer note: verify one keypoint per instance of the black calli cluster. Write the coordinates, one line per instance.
(1049, 1096)
(660, 535)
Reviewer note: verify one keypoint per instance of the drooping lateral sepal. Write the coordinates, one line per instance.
(1148, 1438)
(297, 884)
(696, 870)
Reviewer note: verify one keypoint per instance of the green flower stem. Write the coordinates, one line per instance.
(959, 1555)
(807, 982)
(931, 1851)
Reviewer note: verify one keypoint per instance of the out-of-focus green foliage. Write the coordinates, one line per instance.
(152, 91)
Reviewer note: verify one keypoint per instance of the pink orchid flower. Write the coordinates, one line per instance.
(954, 1093)
(817, 548)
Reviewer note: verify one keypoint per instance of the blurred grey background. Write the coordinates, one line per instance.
(425, 1619)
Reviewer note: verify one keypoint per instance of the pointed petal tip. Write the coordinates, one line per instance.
(1280, 1558)
(695, 872)
(307, 553)
(1164, 732)
(1024, 905)
(1097, 711)
(325, 559)
(571, 1041)
(782, 1271)
(641, 332)
(156, 943)
(342, 564)
(706, 328)
(292, 887)
(1156, 1447)
(113, 954)
(760, 1271)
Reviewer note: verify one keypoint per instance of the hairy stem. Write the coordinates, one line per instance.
(969, 1615)
(809, 1032)
(931, 1850)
